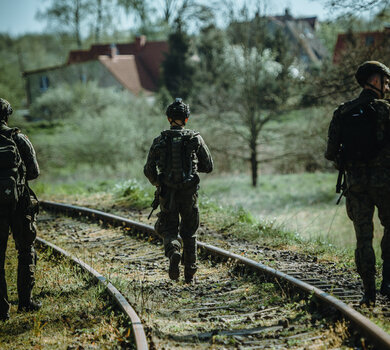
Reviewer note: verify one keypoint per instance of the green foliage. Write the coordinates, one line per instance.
(102, 129)
(74, 188)
(27, 52)
(133, 194)
(177, 72)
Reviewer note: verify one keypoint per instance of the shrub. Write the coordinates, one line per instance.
(100, 127)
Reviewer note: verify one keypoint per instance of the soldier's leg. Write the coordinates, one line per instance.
(382, 201)
(189, 213)
(360, 209)
(23, 227)
(4, 233)
(167, 225)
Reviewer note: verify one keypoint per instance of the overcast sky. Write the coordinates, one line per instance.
(18, 16)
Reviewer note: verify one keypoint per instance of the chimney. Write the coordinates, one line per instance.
(140, 41)
(287, 14)
(113, 51)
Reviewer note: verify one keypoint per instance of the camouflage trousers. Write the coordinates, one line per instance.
(179, 215)
(22, 224)
(360, 208)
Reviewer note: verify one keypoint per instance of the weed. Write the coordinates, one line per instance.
(132, 194)
(38, 325)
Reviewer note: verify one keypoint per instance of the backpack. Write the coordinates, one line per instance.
(11, 170)
(177, 158)
(360, 137)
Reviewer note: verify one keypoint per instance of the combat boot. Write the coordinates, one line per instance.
(174, 262)
(385, 286)
(29, 306)
(4, 317)
(369, 296)
(189, 272)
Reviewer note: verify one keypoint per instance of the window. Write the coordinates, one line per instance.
(43, 83)
(369, 40)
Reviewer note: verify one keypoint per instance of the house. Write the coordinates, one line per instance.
(369, 40)
(301, 34)
(132, 66)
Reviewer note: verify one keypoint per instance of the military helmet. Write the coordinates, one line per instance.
(368, 68)
(178, 110)
(5, 108)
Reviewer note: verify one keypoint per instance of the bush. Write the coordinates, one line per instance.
(99, 127)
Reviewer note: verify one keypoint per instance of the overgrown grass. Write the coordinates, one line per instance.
(301, 203)
(76, 313)
(286, 211)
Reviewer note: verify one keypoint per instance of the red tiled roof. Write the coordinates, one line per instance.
(361, 39)
(129, 71)
(142, 60)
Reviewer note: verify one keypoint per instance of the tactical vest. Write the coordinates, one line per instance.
(362, 136)
(12, 170)
(177, 163)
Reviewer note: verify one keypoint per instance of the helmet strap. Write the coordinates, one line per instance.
(173, 123)
(376, 89)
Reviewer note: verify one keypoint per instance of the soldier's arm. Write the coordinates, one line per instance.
(28, 155)
(205, 161)
(334, 137)
(150, 168)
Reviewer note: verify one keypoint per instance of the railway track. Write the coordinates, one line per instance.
(228, 307)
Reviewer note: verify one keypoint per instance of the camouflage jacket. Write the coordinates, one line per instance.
(27, 153)
(203, 161)
(375, 172)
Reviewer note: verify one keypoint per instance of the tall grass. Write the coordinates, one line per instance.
(93, 131)
(300, 203)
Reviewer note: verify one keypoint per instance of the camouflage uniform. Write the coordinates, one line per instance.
(175, 202)
(368, 185)
(21, 221)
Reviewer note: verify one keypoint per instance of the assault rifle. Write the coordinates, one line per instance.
(341, 186)
(156, 200)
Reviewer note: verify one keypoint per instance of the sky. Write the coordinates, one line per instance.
(18, 16)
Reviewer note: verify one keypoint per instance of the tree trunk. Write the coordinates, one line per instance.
(77, 20)
(98, 20)
(254, 166)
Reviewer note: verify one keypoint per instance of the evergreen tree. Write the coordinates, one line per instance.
(178, 72)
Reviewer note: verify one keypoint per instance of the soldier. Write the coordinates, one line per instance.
(173, 163)
(358, 142)
(18, 209)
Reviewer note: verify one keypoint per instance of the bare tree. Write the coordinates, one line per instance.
(353, 5)
(68, 15)
(139, 8)
(184, 9)
(103, 11)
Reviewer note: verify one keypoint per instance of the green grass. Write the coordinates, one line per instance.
(304, 204)
(76, 312)
(295, 210)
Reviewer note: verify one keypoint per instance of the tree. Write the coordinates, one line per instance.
(352, 5)
(210, 48)
(248, 84)
(102, 9)
(68, 15)
(139, 8)
(255, 96)
(177, 71)
(184, 9)
(335, 82)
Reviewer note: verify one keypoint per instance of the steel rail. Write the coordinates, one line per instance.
(136, 324)
(376, 334)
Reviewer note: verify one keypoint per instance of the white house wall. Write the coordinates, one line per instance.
(40, 81)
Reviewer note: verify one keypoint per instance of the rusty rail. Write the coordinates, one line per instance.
(136, 324)
(376, 335)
